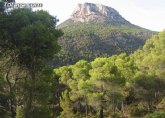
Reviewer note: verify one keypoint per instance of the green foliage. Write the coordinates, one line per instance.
(156, 115)
(66, 106)
(40, 112)
(28, 42)
(3, 99)
(97, 84)
(150, 78)
(19, 112)
(119, 85)
(34, 40)
(151, 58)
(115, 84)
(89, 41)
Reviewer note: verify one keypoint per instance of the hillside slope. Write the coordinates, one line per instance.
(103, 32)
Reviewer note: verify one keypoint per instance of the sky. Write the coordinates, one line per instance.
(149, 14)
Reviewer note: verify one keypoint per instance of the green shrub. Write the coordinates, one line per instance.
(156, 115)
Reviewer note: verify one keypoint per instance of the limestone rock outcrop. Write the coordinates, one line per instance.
(97, 13)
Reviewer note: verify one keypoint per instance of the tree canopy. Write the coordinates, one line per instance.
(117, 86)
(28, 43)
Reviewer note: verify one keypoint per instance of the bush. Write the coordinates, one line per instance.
(156, 115)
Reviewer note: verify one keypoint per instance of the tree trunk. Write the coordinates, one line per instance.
(149, 106)
(28, 107)
(101, 109)
(86, 107)
(114, 106)
(101, 112)
(86, 111)
(11, 101)
(122, 106)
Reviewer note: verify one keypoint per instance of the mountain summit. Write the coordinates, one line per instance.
(95, 30)
(97, 13)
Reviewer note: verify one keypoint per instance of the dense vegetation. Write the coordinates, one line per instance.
(28, 42)
(112, 86)
(117, 86)
(89, 41)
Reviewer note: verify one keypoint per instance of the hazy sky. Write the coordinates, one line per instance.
(149, 14)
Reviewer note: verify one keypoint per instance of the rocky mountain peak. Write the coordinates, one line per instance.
(97, 13)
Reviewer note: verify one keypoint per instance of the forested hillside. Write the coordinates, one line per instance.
(95, 30)
(117, 86)
(88, 41)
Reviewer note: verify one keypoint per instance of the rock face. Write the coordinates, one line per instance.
(97, 13)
